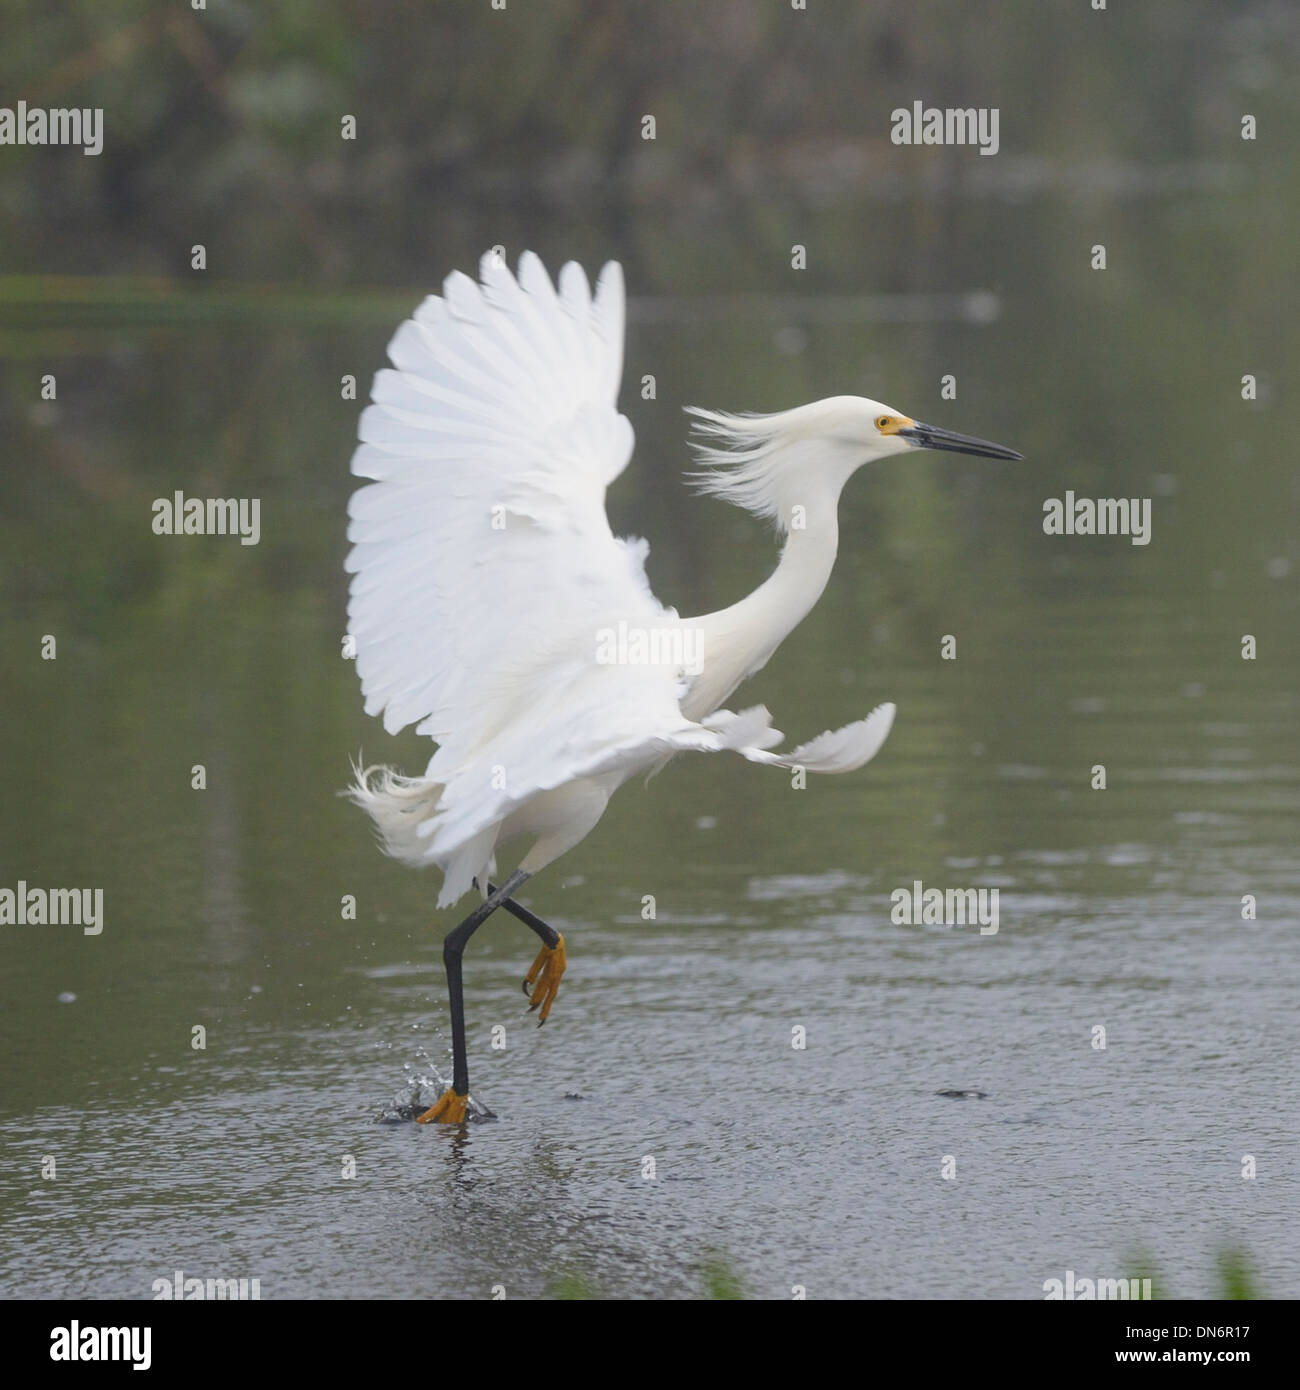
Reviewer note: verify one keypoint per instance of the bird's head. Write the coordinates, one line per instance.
(890, 432)
(770, 463)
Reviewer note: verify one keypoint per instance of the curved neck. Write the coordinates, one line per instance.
(786, 597)
(741, 639)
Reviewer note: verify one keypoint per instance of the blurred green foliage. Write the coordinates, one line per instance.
(523, 126)
(1236, 1272)
(1235, 1276)
(717, 1275)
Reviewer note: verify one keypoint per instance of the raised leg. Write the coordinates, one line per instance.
(547, 970)
(550, 937)
(449, 1108)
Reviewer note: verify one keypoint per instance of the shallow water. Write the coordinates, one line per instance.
(817, 1167)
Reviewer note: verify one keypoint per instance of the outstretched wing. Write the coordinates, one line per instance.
(613, 719)
(481, 550)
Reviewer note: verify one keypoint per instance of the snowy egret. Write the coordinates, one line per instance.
(492, 606)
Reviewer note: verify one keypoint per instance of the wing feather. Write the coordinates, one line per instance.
(836, 750)
(481, 552)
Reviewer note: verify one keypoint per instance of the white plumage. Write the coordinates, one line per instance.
(485, 577)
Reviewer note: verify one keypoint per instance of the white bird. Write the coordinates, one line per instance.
(492, 606)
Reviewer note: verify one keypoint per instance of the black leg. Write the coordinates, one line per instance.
(547, 970)
(452, 950)
(550, 937)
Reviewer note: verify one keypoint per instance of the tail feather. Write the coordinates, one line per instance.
(396, 805)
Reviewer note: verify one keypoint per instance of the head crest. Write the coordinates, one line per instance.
(764, 463)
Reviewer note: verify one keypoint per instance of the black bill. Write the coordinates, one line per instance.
(932, 437)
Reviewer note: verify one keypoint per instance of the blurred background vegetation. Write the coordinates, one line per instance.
(523, 126)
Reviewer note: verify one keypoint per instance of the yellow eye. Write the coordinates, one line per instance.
(883, 422)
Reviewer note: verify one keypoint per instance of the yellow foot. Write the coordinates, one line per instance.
(546, 974)
(448, 1109)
